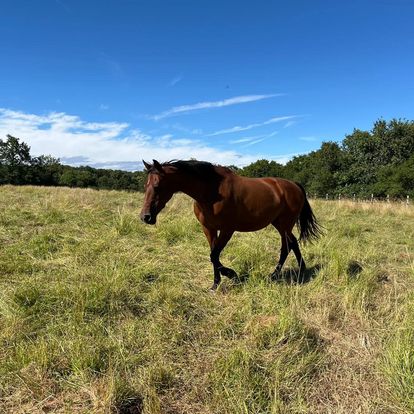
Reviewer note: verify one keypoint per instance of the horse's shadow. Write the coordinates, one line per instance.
(289, 276)
(298, 277)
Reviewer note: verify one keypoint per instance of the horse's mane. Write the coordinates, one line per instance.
(201, 169)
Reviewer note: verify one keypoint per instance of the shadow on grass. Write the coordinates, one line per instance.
(296, 277)
(130, 405)
(354, 269)
(289, 276)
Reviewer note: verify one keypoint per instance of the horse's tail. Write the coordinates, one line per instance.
(309, 228)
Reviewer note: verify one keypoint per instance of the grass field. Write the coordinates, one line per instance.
(102, 314)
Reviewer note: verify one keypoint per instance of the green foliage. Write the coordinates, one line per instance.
(14, 161)
(396, 180)
(318, 171)
(263, 168)
(377, 161)
(13, 152)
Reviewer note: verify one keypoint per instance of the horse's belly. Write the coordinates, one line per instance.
(247, 213)
(253, 220)
(244, 227)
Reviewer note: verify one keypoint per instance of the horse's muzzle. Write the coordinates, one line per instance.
(148, 218)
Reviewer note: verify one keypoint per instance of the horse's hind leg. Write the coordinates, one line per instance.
(284, 251)
(294, 245)
(289, 242)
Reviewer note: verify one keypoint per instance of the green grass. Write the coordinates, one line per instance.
(102, 314)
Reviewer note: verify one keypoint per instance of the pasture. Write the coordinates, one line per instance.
(100, 313)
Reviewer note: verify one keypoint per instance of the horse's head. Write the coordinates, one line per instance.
(157, 192)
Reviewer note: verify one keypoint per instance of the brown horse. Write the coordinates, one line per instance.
(226, 202)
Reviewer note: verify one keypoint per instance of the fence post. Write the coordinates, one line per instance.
(327, 196)
(339, 197)
(353, 197)
(372, 198)
(388, 198)
(408, 200)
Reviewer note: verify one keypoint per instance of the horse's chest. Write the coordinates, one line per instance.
(213, 216)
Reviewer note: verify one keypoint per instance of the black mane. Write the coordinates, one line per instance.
(200, 169)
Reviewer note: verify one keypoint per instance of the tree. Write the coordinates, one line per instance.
(13, 152)
(45, 170)
(367, 153)
(299, 169)
(326, 169)
(396, 180)
(262, 168)
(14, 160)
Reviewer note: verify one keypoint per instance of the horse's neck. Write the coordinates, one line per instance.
(198, 189)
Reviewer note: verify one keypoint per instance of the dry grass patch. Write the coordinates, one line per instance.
(102, 314)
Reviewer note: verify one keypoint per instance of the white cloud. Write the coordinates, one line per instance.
(251, 126)
(176, 110)
(108, 144)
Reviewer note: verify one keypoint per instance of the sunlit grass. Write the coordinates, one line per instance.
(100, 313)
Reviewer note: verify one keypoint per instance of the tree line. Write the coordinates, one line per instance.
(379, 162)
(18, 167)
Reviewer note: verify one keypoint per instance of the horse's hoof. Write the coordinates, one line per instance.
(213, 288)
(275, 277)
(230, 273)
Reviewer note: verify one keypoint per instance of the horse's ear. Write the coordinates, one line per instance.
(158, 166)
(146, 165)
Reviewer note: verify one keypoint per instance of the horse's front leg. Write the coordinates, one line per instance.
(217, 244)
(221, 241)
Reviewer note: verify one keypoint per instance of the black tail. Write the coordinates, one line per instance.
(308, 226)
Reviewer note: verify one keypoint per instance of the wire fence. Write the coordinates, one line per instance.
(363, 199)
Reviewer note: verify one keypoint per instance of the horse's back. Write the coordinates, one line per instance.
(288, 191)
(250, 204)
(260, 201)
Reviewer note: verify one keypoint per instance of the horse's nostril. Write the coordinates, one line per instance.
(146, 218)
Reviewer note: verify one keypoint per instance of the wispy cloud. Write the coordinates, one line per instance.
(245, 139)
(177, 110)
(112, 66)
(103, 107)
(182, 128)
(63, 5)
(289, 124)
(249, 141)
(175, 80)
(251, 126)
(109, 144)
(308, 138)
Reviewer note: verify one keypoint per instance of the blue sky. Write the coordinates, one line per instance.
(107, 83)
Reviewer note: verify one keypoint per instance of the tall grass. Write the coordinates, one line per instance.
(102, 314)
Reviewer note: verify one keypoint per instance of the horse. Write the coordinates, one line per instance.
(225, 202)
